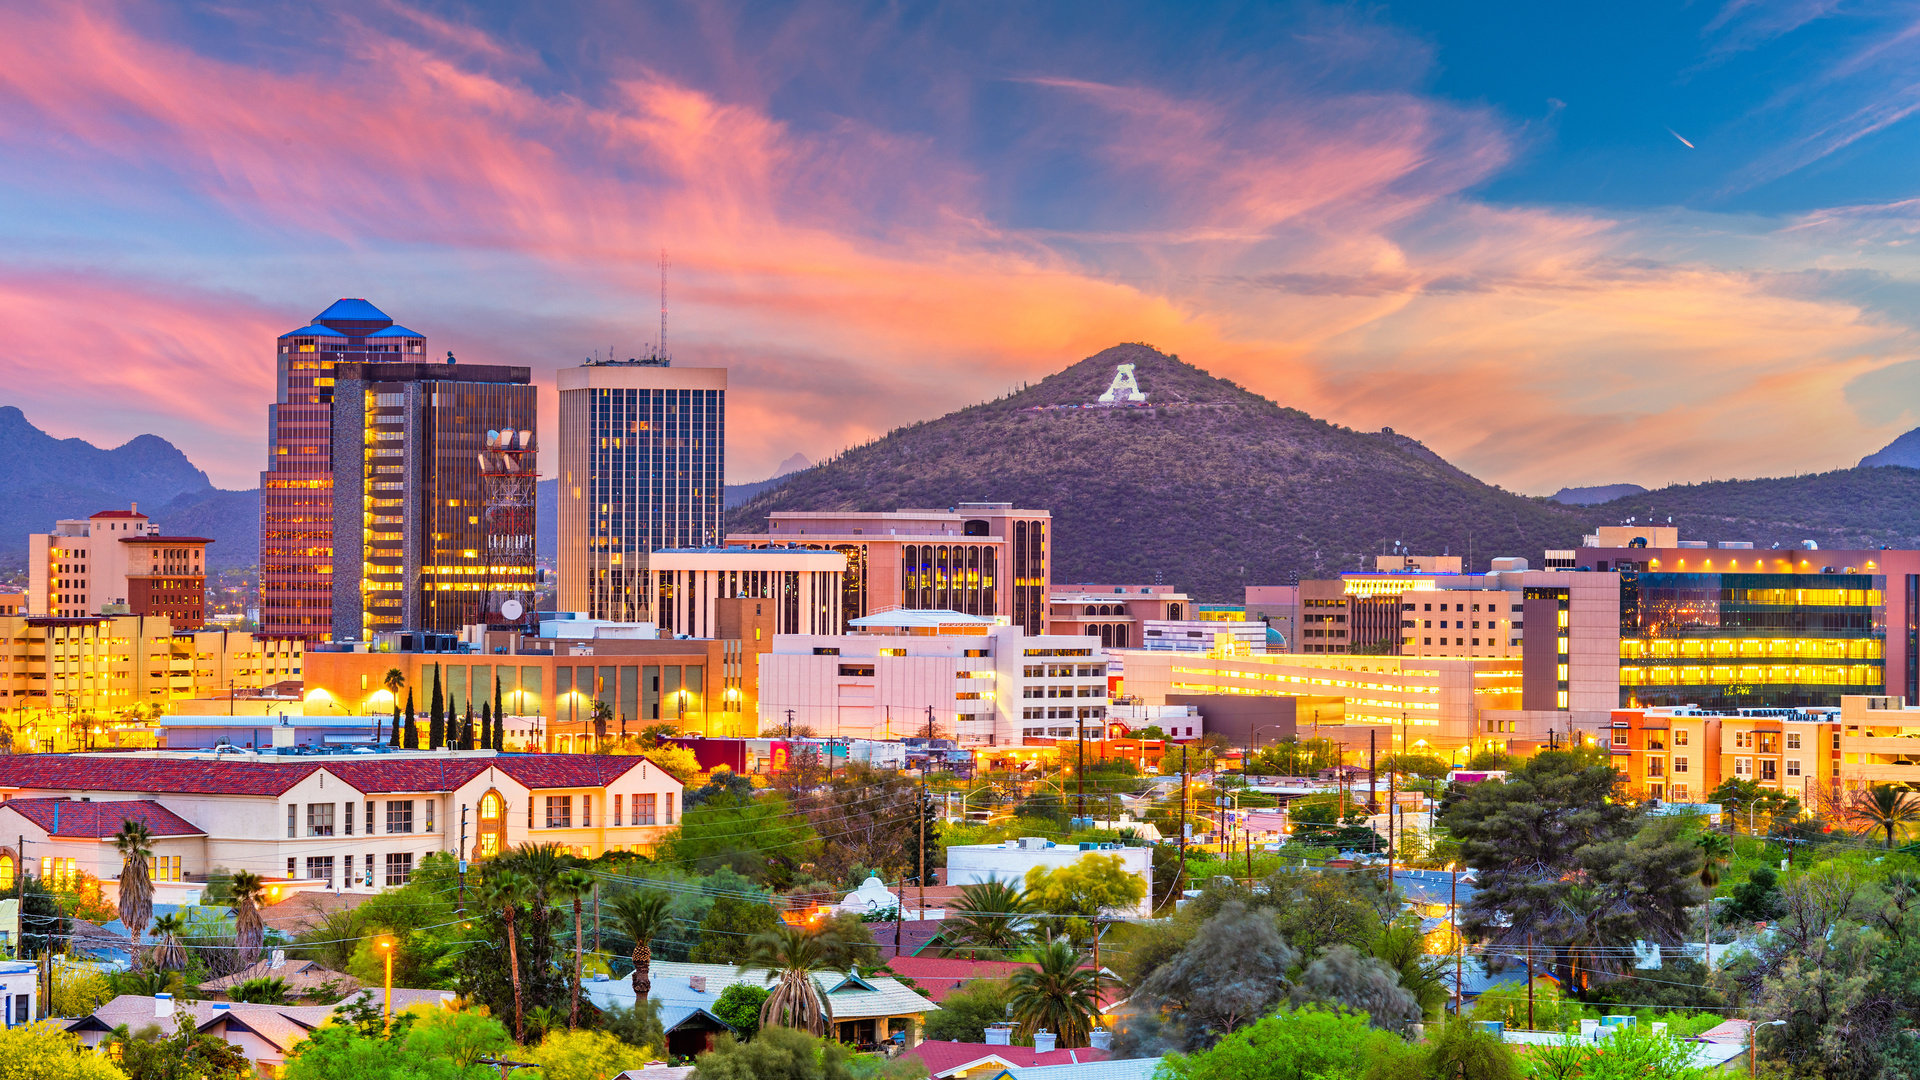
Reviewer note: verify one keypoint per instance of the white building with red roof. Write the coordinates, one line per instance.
(351, 821)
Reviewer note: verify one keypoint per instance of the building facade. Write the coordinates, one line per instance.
(642, 467)
(1731, 627)
(296, 489)
(969, 677)
(412, 545)
(1116, 614)
(982, 558)
(801, 586)
(117, 561)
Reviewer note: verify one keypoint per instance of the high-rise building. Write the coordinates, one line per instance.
(296, 497)
(642, 467)
(412, 543)
(116, 562)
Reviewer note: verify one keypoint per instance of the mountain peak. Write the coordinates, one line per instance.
(1904, 450)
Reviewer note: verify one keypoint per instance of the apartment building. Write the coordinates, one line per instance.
(978, 558)
(116, 561)
(339, 821)
(64, 681)
(973, 677)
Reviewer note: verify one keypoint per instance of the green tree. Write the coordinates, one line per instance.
(1753, 808)
(759, 837)
(1756, 898)
(1315, 910)
(1470, 1053)
(1067, 898)
(790, 955)
(1628, 1054)
(575, 885)
(249, 893)
(739, 1007)
(263, 990)
(1402, 947)
(965, 1014)
(1231, 973)
(777, 1054)
(148, 1054)
(45, 1051)
(1057, 994)
(1345, 977)
(505, 892)
(988, 921)
(585, 1055)
(167, 953)
(640, 916)
(731, 924)
(1310, 1043)
(410, 731)
(134, 842)
(1884, 808)
(436, 714)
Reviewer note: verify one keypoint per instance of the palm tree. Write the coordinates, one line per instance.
(1058, 994)
(249, 930)
(575, 884)
(790, 955)
(393, 680)
(990, 920)
(134, 841)
(1715, 850)
(168, 955)
(1884, 806)
(507, 890)
(260, 990)
(641, 915)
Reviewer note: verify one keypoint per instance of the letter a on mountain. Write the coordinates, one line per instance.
(1124, 388)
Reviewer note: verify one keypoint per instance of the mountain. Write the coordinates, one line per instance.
(231, 519)
(1845, 508)
(1904, 450)
(44, 479)
(1590, 496)
(1207, 485)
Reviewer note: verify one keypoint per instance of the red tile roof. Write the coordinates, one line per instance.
(116, 513)
(98, 772)
(100, 819)
(943, 1057)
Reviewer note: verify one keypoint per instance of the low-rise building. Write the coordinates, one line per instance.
(976, 677)
(116, 562)
(866, 1010)
(351, 821)
(1113, 613)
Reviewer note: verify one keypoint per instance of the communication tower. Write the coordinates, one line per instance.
(509, 478)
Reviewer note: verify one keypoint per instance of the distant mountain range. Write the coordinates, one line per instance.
(1205, 486)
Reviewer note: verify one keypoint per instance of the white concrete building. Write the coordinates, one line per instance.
(19, 991)
(974, 677)
(974, 864)
(803, 585)
(358, 822)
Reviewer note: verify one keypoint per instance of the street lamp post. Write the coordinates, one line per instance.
(386, 948)
(1753, 1033)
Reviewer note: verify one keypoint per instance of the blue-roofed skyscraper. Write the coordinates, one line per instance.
(296, 490)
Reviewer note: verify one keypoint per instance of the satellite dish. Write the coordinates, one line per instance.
(511, 609)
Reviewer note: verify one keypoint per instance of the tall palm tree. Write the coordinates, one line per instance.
(249, 930)
(990, 919)
(1885, 807)
(1715, 850)
(168, 955)
(790, 955)
(1057, 994)
(507, 890)
(134, 841)
(575, 885)
(393, 680)
(641, 915)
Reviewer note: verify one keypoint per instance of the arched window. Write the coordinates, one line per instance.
(1120, 636)
(1106, 636)
(1091, 610)
(492, 828)
(1093, 631)
(8, 868)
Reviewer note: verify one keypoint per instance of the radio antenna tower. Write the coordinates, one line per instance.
(663, 302)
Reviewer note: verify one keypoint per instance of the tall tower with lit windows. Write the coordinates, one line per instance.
(296, 489)
(642, 467)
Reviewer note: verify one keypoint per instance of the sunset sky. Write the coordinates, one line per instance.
(1657, 243)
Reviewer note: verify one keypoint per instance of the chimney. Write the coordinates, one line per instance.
(162, 1006)
(1100, 1039)
(1043, 1041)
(698, 983)
(999, 1034)
(279, 959)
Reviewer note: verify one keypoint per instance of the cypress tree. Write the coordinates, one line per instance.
(498, 711)
(465, 742)
(394, 740)
(410, 731)
(437, 716)
(486, 726)
(499, 732)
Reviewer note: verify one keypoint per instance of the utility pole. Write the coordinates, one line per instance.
(1529, 982)
(1391, 805)
(1373, 772)
(1080, 770)
(789, 724)
(1180, 877)
(929, 723)
(1453, 926)
(920, 811)
(462, 856)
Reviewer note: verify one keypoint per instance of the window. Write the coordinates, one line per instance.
(1769, 743)
(1426, 641)
(320, 868)
(163, 868)
(22, 1003)
(430, 804)
(1679, 792)
(1429, 607)
(1679, 736)
(618, 803)
(399, 868)
(348, 830)
(1656, 767)
(643, 807)
(1619, 736)
(667, 804)
(1793, 766)
(400, 815)
(369, 817)
(1742, 766)
(293, 821)
(320, 820)
(586, 811)
(1769, 770)
(1679, 765)
(559, 811)
(1793, 740)
(1743, 739)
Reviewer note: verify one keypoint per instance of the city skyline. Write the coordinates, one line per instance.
(1553, 265)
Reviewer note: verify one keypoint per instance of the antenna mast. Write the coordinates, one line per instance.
(663, 303)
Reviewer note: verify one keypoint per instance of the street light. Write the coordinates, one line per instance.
(1753, 1031)
(386, 948)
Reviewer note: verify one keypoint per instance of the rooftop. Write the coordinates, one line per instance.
(397, 331)
(63, 817)
(240, 774)
(314, 331)
(352, 308)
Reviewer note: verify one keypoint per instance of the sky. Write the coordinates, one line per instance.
(1558, 244)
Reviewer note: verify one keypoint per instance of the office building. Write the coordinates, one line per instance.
(1730, 626)
(974, 678)
(802, 587)
(117, 562)
(296, 496)
(1113, 613)
(979, 558)
(417, 542)
(1279, 607)
(642, 467)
